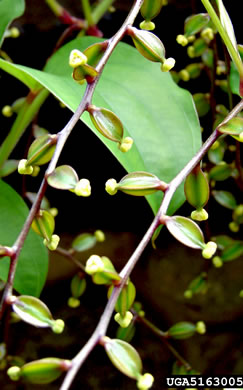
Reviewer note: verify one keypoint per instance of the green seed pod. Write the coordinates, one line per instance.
(124, 357)
(196, 188)
(41, 371)
(233, 127)
(148, 44)
(202, 103)
(220, 172)
(125, 299)
(140, 184)
(185, 230)
(107, 123)
(78, 285)
(44, 224)
(41, 150)
(182, 330)
(151, 8)
(195, 23)
(33, 311)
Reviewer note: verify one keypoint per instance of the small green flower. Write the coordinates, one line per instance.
(99, 235)
(77, 58)
(217, 262)
(83, 188)
(200, 327)
(126, 144)
(53, 243)
(209, 250)
(94, 264)
(14, 373)
(168, 64)
(125, 321)
(25, 169)
(147, 25)
(182, 40)
(199, 215)
(58, 326)
(145, 381)
(7, 111)
(111, 186)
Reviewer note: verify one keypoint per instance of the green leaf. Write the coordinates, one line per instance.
(9, 10)
(124, 357)
(33, 261)
(83, 242)
(232, 251)
(63, 177)
(186, 231)
(8, 167)
(155, 112)
(195, 23)
(225, 198)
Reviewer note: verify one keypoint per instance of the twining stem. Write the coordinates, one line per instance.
(30, 107)
(65, 253)
(87, 12)
(102, 326)
(224, 35)
(100, 9)
(162, 335)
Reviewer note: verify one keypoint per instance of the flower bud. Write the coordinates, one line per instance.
(125, 321)
(14, 373)
(77, 58)
(182, 40)
(145, 382)
(217, 262)
(7, 111)
(108, 274)
(147, 25)
(168, 64)
(111, 186)
(83, 188)
(52, 244)
(58, 326)
(207, 34)
(36, 171)
(234, 227)
(25, 169)
(184, 75)
(126, 144)
(99, 235)
(200, 327)
(199, 215)
(73, 302)
(209, 250)
(94, 264)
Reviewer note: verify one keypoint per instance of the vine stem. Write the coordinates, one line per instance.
(102, 326)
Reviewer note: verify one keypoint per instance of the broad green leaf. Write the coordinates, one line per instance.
(155, 112)
(63, 177)
(33, 261)
(9, 10)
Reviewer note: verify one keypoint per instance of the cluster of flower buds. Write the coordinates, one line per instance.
(44, 225)
(40, 152)
(151, 47)
(64, 177)
(110, 126)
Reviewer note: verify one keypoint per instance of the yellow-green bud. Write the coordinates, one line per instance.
(199, 215)
(58, 326)
(207, 34)
(77, 58)
(111, 186)
(209, 250)
(7, 111)
(14, 32)
(239, 210)
(182, 40)
(200, 327)
(241, 294)
(215, 145)
(73, 302)
(184, 75)
(83, 188)
(168, 64)
(14, 373)
(53, 243)
(126, 144)
(36, 171)
(23, 169)
(94, 264)
(234, 227)
(147, 25)
(188, 294)
(191, 52)
(125, 321)
(191, 38)
(145, 381)
(53, 211)
(99, 235)
(217, 262)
